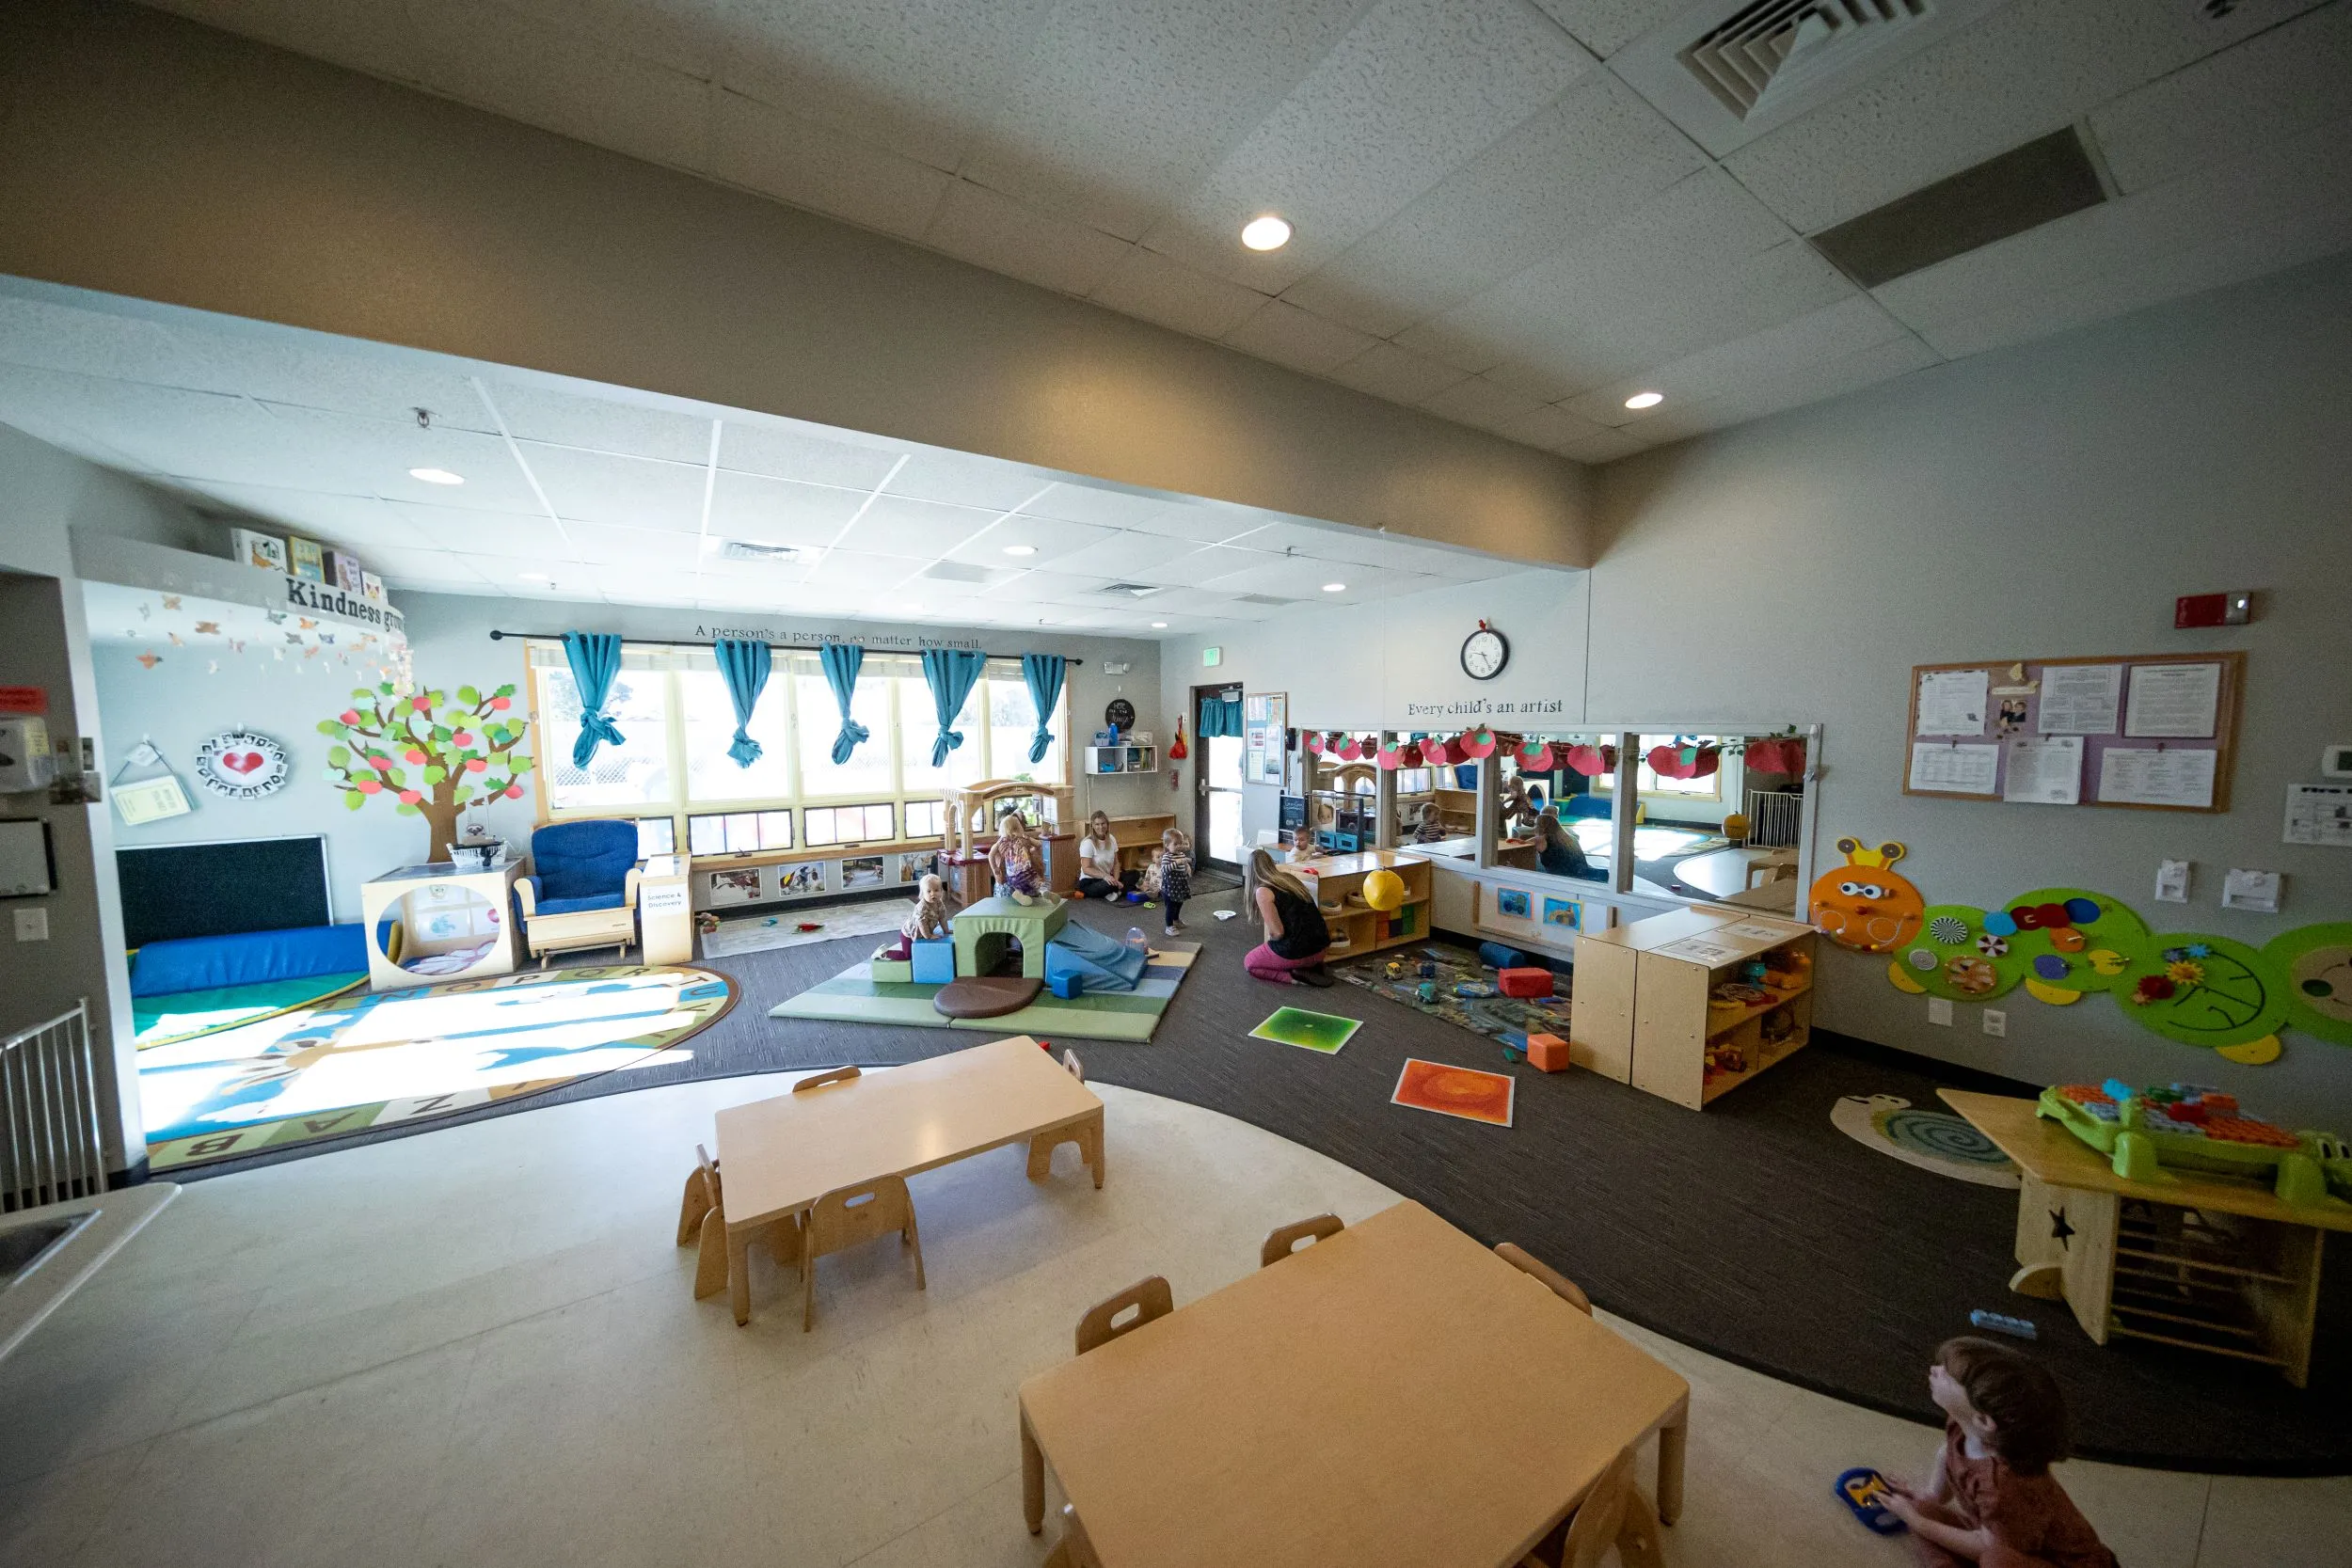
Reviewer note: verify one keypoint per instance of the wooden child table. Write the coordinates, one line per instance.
(781, 1155)
(1395, 1394)
(2204, 1263)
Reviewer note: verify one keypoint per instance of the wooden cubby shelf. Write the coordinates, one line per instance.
(1356, 927)
(1644, 1011)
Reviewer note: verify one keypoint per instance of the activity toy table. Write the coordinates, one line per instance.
(452, 910)
(1031, 924)
(1645, 1012)
(2204, 1263)
(1394, 1394)
(782, 1155)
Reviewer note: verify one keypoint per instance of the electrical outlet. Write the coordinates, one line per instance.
(1939, 1011)
(1997, 1022)
(32, 925)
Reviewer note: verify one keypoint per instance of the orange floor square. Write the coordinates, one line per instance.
(1454, 1091)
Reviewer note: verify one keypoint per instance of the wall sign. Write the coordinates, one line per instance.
(239, 765)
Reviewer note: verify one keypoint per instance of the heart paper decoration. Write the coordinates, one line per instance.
(242, 761)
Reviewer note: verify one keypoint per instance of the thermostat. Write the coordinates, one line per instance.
(26, 763)
(2336, 761)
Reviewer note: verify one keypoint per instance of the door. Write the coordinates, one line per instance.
(1217, 803)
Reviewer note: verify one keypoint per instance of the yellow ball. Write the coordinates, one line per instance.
(1384, 890)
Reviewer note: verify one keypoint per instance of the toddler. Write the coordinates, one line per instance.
(1992, 1500)
(1015, 859)
(1175, 865)
(927, 920)
(1432, 825)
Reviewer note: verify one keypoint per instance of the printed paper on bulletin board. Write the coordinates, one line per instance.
(2147, 732)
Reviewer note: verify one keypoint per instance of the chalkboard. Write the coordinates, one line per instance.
(221, 888)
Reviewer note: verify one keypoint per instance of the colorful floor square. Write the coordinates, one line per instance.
(1932, 1140)
(854, 996)
(1324, 1032)
(373, 1059)
(1508, 1019)
(1454, 1091)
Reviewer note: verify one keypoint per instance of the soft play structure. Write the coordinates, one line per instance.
(1084, 960)
(195, 986)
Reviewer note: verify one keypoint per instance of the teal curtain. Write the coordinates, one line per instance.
(952, 673)
(1045, 673)
(1220, 716)
(841, 661)
(744, 667)
(596, 661)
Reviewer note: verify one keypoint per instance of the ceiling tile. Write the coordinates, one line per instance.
(1123, 554)
(1149, 285)
(600, 424)
(2290, 80)
(861, 573)
(2030, 68)
(633, 492)
(545, 76)
(1398, 375)
(491, 534)
(1478, 401)
(918, 80)
(1198, 568)
(1121, 109)
(1605, 447)
(1091, 503)
(962, 480)
(428, 567)
(1206, 522)
(1289, 336)
(1416, 89)
(1846, 327)
(751, 447)
(1551, 428)
(1812, 383)
(996, 231)
(1049, 537)
(779, 511)
(1605, 27)
(1049, 588)
(916, 530)
(52, 337)
(1590, 159)
(607, 543)
(639, 585)
(798, 161)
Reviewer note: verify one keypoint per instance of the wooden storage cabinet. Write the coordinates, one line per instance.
(1644, 1012)
(1355, 927)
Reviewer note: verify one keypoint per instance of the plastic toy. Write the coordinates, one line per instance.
(1472, 988)
(1866, 1491)
(1525, 982)
(1396, 971)
(1428, 970)
(1547, 1053)
(2000, 1323)
(1384, 890)
(1427, 990)
(1863, 905)
(2190, 1128)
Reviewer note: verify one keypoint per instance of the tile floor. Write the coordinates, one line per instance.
(478, 1346)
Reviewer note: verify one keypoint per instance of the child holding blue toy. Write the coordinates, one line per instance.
(1990, 1498)
(1175, 865)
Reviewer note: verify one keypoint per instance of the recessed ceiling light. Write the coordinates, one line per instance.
(1335, 588)
(1159, 626)
(1266, 233)
(1021, 549)
(1646, 400)
(436, 476)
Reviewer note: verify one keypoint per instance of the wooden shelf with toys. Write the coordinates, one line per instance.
(1694, 1002)
(1355, 927)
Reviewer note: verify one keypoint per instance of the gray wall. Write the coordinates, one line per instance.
(2048, 500)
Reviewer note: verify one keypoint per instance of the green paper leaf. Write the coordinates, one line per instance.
(442, 732)
(385, 687)
(330, 726)
(355, 800)
(435, 773)
(338, 756)
(467, 695)
(507, 690)
(362, 692)
(396, 778)
(406, 810)
(519, 765)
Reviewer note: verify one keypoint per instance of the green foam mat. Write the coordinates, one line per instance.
(854, 996)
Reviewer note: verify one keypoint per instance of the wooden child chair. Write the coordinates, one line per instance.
(702, 1218)
(1148, 1299)
(1614, 1514)
(1553, 1280)
(1041, 1147)
(1280, 1242)
(818, 1080)
(850, 1216)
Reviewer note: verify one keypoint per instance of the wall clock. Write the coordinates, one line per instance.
(1121, 712)
(1485, 653)
(239, 765)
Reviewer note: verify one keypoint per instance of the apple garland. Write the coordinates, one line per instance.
(461, 752)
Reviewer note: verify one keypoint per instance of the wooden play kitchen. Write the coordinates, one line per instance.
(1394, 1394)
(1652, 1008)
(1355, 927)
(2196, 1261)
(778, 1156)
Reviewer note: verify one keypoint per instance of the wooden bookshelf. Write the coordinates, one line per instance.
(1645, 1013)
(1357, 929)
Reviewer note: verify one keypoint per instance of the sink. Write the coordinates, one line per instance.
(23, 1246)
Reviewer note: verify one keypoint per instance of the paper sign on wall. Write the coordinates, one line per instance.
(2080, 699)
(1957, 770)
(1952, 702)
(2173, 701)
(2047, 772)
(2320, 814)
(2136, 777)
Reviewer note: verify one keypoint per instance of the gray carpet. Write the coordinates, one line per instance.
(1755, 1231)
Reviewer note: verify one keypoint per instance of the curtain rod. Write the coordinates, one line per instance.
(780, 647)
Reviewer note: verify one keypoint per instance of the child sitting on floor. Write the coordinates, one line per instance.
(1992, 1500)
(927, 920)
(1175, 869)
(1016, 862)
(1432, 825)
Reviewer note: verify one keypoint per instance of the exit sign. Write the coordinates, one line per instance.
(1212, 657)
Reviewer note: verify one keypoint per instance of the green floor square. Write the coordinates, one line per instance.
(1324, 1032)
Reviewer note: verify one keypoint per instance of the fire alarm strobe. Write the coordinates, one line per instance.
(2233, 609)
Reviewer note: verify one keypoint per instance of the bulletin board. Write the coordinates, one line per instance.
(2151, 732)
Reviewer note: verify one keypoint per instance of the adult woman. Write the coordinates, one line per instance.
(1295, 936)
(1562, 855)
(1098, 860)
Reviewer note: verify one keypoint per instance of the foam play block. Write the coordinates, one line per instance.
(888, 971)
(934, 961)
(1496, 954)
(1549, 1052)
(1525, 982)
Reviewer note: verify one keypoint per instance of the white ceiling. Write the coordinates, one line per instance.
(577, 491)
(1491, 223)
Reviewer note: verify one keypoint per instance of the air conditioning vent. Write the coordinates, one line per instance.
(1728, 71)
(2023, 188)
(1134, 590)
(753, 549)
(956, 571)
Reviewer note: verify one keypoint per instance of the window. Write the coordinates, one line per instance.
(918, 727)
(868, 769)
(708, 714)
(1011, 726)
(633, 774)
(848, 824)
(738, 832)
(656, 836)
(1711, 788)
(926, 818)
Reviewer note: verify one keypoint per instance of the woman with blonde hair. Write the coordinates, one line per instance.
(1295, 936)
(1098, 860)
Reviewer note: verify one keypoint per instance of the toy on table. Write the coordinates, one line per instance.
(2189, 1126)
(2001, 1322)
(1866, 1491)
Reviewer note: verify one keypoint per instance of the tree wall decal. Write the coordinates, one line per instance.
(433, 757)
